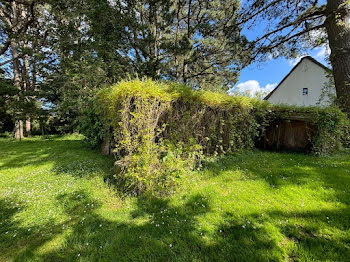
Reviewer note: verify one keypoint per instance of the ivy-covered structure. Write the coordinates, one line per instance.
(160, 129)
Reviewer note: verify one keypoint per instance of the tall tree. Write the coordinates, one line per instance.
(293, 25)
(207, 43)
(85, 42)
(7, 92)
(16, 18)
(41, 41)
(59, 52)
(191, 41)
(338, 30)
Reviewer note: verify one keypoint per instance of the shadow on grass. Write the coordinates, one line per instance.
(157, 230)
(285, 168)
(312, 240)
(66, 156)
(35, 153)
(303, 241)
(14, 236)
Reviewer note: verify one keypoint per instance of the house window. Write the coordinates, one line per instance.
(305, 91)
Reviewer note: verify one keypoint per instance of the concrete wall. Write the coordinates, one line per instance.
(306, 75)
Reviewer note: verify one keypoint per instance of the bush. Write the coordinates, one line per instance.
(162, 129)
(92, 126)
(149, 118)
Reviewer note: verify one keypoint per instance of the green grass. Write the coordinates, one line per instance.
(255, 206)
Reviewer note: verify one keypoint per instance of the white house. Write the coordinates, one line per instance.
(306, 84)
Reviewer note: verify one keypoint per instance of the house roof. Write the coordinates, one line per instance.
(291, 71)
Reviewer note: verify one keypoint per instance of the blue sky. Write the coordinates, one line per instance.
(265, 76)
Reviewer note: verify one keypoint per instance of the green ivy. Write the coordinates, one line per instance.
(162, 129)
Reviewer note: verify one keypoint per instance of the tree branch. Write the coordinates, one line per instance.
(5, 47)
(297, 22)
(259, 12)
(296, 35)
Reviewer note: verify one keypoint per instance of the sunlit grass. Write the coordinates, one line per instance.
(55, 205)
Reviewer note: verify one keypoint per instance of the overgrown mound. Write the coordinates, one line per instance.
(162, 130)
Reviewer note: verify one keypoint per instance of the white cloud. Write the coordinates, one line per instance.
(253, 88)
(294, 61)
(269, 57)
(323, 51)
(315, 35)
(112, 2)
(269, 87)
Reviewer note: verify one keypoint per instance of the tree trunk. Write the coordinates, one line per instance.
(177, 73)
(27, 89)
(28, 126)
(185, 63)
(16, 69)
(42, 128)
(19, 129)
(338, 30)
(26, 78)
(17, 83)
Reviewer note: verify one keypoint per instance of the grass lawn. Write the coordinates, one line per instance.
(255, 206)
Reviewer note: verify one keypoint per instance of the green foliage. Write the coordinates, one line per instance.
(332, 125)
(134, 109)
(149, 118)
(161, 128)
(7, 93)
(91, 126)
(195, 42)
(75, 86)
(68, 49)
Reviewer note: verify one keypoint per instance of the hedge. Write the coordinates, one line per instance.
(162, 129)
